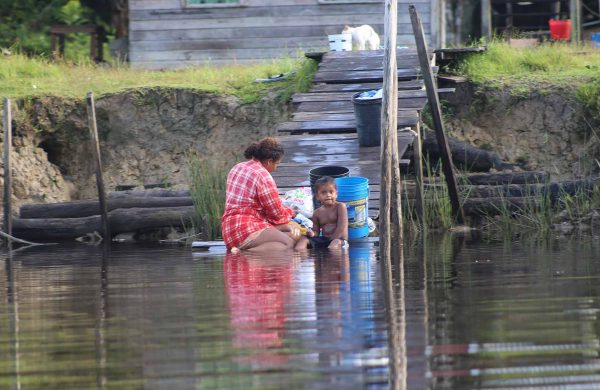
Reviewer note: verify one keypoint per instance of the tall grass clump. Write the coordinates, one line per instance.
(589, 96)
(437, 206)
(207, 187)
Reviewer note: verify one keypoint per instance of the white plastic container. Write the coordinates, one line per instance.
(340, 42)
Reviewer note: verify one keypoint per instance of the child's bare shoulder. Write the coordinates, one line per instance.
(318, 212)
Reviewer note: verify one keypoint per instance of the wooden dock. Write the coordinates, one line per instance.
(322, 131)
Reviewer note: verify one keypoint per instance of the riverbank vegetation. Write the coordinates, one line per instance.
(23, 77)
(556, 63)
(208, 178)
(538, 211)
(538, 69)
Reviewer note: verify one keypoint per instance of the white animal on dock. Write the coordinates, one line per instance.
(363, 37)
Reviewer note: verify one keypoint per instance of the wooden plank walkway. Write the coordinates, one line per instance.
(303, 153)
(322, 131)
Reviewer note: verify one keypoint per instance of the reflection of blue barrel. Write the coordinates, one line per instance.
(361, 290)
(354, 192)
(360, 265)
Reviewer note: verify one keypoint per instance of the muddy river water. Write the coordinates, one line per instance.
(474, 314)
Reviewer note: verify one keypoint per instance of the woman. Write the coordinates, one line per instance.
(255, 219)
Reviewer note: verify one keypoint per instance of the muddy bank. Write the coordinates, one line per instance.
(145, 137)
(538, 128)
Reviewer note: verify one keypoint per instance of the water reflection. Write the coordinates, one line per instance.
(477, 315)
(257, 290)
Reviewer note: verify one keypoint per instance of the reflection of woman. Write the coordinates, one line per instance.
(257, 290)
(254, 216)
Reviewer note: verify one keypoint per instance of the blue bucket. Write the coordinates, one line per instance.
(354, 192)
(596, 40)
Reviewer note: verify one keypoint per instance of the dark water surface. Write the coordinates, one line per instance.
(477, 315)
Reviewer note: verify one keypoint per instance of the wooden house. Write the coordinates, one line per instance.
(530, 18)
(178, 33)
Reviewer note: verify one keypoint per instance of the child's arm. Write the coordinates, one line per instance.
(341, 229)
(316, 226)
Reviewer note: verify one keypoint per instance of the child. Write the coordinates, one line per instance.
(330, 221)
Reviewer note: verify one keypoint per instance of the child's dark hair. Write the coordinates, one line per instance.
(266, 149)
(324, 181)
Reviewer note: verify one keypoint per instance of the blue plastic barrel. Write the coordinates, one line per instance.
(596, 39)
(354, 192)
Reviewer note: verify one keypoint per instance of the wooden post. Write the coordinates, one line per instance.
(96, 153)
(12, 309)
(418, 159)
(509, 20)
(390, 225)
(438, 22)
(575, 16)
(396, 232)
(7, 123)
(486, 20)
(390, 208)
(395, 313)
(436, 113)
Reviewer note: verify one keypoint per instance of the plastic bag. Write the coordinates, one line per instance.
(303, 220)
(373, 94)
(300, 199)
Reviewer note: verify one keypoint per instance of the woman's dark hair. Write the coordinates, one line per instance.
(324, 181)
(266, 149)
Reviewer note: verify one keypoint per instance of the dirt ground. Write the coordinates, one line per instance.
(147, 134)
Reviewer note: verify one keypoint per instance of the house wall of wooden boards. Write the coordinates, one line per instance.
(174, 33)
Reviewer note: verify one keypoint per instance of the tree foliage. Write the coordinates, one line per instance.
(25, 24)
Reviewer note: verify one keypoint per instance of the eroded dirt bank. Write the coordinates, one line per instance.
(543, 128)
(146, 134)
(145, 137)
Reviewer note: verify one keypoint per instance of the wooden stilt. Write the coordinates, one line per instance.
(575, 16)
(387, 131)
(486, 20)
(418, 160)
(97, 159)
(436, 112)
(391, 210)
(7, 124)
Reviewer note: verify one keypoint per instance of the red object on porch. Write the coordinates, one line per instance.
(560, 30)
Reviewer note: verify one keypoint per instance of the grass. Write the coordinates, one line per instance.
(541, 68)
(535, 212)
(557, 63)
(437, 207)
(207, 187)
(21, 77)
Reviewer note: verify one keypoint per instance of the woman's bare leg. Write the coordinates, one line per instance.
(271, 239)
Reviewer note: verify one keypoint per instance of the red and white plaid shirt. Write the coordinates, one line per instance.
(252, 203)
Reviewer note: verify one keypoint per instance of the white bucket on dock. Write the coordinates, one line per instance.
(340, 42)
